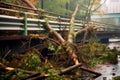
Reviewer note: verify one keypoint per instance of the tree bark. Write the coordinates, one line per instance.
(91, 71)
(71, 35)
(87, 28)
(71, 28)
(5, 68)
(29, 4)
(55, 33)
(70, 51)
(69, 69)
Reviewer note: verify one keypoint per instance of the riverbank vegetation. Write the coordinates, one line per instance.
(32, 62)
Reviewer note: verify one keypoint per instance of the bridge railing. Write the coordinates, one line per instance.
(32, 22)
(26, 21)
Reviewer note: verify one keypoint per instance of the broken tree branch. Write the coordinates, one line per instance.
(40, 77)
(70, 52)
(31, 76)
(56, 34)
(71, 28)
(91, 71)
(4, 68)
(88, 28)
(69, 69)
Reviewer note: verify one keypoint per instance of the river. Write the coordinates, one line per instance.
(109, 71)
(111, 45)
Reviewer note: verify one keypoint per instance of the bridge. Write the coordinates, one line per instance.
(16, 27)
(26, 22)
(114, 16)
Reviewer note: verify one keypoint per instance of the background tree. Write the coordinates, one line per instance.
(67, 6)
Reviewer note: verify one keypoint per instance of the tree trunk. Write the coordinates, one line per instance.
(70, 51)
(56, 34)
(69, 69)
(71, 35)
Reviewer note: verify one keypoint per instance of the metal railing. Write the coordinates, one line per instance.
(34, 23)
(26, 21)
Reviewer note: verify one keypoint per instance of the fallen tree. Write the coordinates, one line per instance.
(66, 44)
(71, 35)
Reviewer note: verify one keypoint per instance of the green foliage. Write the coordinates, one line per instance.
(57, 6)
(116, 78)
(49, 69)
(51, 47)
(95, 53)
(6, 75)
(65, 6)
(68, 6)
(59, 48)
(31, 62)
(9, 1)
(112, 56)
(53, 75)
(90, 53)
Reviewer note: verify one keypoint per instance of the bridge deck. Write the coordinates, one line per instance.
(34, 22)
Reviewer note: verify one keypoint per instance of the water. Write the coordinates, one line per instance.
(111, 45)
(109, 70)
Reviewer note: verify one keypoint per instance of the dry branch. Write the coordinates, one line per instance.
(31, 76)
(40, 77)
(4, 68)
(91, 71)
(69, 69)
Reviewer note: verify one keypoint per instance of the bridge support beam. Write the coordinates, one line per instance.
(25, 32)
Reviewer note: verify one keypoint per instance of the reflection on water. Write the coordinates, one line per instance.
(109, 71)
(114, 44)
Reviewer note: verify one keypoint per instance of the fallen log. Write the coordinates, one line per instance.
(91, 71)
(59, 73)
(4, 68)
(69, 69)
(37, 75)
(34, 75)
(40, 77)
